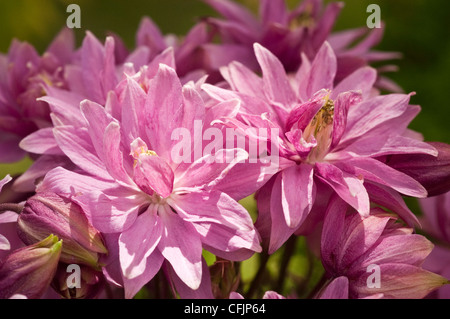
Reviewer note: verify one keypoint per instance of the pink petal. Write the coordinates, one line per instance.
(76, 144)
(204, 291)
(242, 79)
(149, 35)
(182, 247)
(41, 142)
(362, 79)
(5, 181)
(337, 289)
(138, 242)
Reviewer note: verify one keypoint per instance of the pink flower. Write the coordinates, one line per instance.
(160, 209)
(376, 253)
(290, 33)
(331, 138)
(436, 224)
(24, 76)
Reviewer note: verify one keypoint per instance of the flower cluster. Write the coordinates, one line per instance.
(145, 162)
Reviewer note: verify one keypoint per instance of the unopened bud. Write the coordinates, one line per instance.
(432, 172)
(28, 271)
(50, 213)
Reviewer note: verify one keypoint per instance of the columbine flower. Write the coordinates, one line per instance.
(24, 76)
(28, 271)
(289, 34)
(436, 224)
(162, 210)
(353, 246)
(330, 138)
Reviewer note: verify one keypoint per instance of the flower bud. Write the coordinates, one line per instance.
(28, 271)
(77, 281)
(49, 213)
(432, 172)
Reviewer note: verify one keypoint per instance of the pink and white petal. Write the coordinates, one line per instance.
(333, 228)
(279, 231)
(276, 83)
(138, 242)
(182, 247)
(297, 193)
(242, 79)
(347, 186)
(28, 181)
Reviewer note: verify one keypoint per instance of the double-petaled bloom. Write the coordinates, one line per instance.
(155, 207)
(331, 139)
(374, 256)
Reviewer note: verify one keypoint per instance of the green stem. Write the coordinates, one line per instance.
(287, 254)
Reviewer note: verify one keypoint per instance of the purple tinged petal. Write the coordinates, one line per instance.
(29, 270)
(204, 291)
(5, 181)
(336, 289)
(138, 242)
(360, 234)
(150, 36)
(164, 101)
(373, 112)
(302, 114)
(321, 74)
(376, 171)
(242, 79)
(273, 11)
(151, 171)
(411, 250)
(326, 23)
(224, 226)
(153, 265)
(113, 155)
(362, 79)
(272, 295)
(401, 281)
(181, 246)
(298, 193)
(391, 200)
(333, 228)
(430, 171)
(280, 231)
(276, 82)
